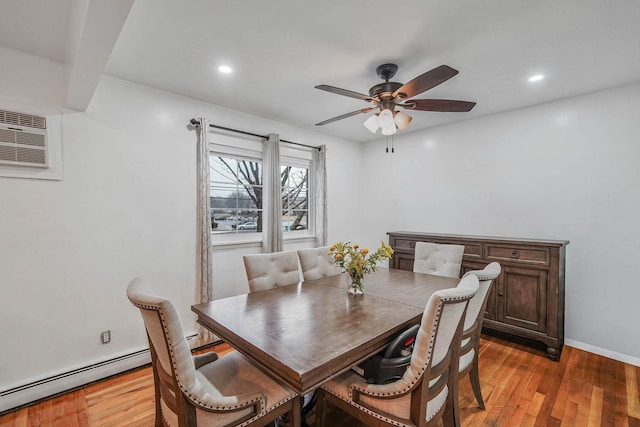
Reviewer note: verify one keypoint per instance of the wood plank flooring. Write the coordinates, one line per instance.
(520, 385)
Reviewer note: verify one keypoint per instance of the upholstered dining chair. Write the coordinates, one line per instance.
(438, 259)
(317, 263)
(472, 329)
(266, 271)
(421, 397)
(204, 391)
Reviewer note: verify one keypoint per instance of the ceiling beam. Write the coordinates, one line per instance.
(93, 31)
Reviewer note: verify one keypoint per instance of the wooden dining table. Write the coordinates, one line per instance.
(308, 333)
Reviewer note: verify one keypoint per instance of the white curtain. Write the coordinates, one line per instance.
(320, 194)
(272, 195)
(205, 283)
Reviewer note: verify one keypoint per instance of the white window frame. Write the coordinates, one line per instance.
(240, 146)
(301, 161)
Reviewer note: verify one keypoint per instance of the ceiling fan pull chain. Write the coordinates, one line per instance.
(392, 148)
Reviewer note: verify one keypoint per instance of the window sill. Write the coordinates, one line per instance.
(235, 244)
(257, 242)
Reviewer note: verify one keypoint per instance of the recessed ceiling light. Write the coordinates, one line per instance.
(225, 69)
(536, 78)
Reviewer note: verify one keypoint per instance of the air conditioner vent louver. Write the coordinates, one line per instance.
(30, 139)
(21, 119)
(23, 139)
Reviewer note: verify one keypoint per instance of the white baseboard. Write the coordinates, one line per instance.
(56, 384)
(31, 392)
(604, 352)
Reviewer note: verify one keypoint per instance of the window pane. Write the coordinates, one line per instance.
(295, 198)
(236, 195)
(294, 220)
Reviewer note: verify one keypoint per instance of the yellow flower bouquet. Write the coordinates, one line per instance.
(354, 260)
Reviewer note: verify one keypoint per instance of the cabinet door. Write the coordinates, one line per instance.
(522, 298)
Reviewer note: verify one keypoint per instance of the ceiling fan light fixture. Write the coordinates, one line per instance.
(402, 120)
(372, 123)
(389, 130)
(385, 119)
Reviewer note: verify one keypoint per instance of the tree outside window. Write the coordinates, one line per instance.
(295, 197)
(236, 197)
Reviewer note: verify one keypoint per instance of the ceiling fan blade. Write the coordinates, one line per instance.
(444, 105)
(344, 92)
(426, 81)
(344, 116)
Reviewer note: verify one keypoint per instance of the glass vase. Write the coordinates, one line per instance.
(357, 285)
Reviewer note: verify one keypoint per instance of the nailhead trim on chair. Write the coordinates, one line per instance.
(415, 378)
(193, 398)
(484, 274)
(410, 385)
(418, 374)
(380, 417)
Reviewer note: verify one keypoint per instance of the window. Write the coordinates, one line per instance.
(235, 195)
(295, 198)
(236, 190)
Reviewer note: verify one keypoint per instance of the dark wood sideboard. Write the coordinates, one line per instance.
(527, 299)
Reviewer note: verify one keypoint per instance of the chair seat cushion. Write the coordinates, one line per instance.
(398, 407)
(233, 375)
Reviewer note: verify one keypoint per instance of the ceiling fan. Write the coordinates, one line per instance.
(389, 95)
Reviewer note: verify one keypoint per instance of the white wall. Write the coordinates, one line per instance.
(565, 170)
(125, 208)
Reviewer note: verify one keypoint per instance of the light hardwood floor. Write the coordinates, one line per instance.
(520, 385)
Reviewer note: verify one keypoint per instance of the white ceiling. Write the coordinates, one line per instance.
(281, 49)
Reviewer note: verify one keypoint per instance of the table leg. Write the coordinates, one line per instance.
(307, 403)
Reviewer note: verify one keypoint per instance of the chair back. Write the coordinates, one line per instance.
(168, 346)
(438, 259)
(422, 393)
(477, 305)
(266, 271)
(165, 332)
(173, 366)
(317, 263)
(441, 320)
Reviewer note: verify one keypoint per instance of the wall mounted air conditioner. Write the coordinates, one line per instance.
(23, 139)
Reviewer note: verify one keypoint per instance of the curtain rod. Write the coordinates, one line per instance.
(197, 123)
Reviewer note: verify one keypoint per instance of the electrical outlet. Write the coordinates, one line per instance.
(105, 337)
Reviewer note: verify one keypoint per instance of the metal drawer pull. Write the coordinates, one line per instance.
(500, 294)
(412, 245)
(515, 254)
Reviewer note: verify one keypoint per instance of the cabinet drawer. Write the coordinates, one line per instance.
(407, 244)
(529, 255)
(472, 250)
